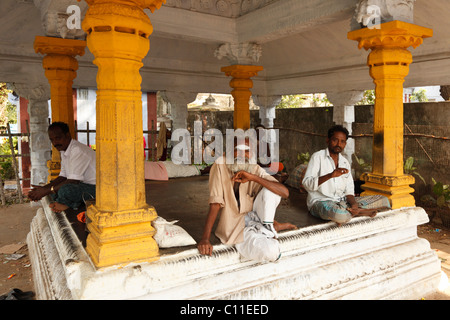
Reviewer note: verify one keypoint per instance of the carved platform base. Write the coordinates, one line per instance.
(379, 258)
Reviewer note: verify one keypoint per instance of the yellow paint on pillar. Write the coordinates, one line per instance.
(389, 63)
(241, 84)
(61, 68)
(120, 221)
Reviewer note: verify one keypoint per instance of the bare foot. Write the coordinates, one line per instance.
(58, 207)
(283, 226)
(367, 213)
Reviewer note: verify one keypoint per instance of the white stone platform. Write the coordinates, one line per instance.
(379, 258)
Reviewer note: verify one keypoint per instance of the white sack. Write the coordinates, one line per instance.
(169, 235)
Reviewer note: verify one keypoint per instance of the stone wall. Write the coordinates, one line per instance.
(431, 155)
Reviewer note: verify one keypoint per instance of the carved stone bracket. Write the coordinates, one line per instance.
(241, 53)
(179, 102)
(370, 13)
(267, 105)
(55, 16)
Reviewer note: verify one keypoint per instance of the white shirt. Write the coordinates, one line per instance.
(334, 189)
(78, 163)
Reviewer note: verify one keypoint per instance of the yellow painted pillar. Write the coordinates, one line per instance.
(389, 63)
(241, 84)
(120, 221)
(61, 68)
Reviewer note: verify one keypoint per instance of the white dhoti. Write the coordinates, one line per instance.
(260, 242)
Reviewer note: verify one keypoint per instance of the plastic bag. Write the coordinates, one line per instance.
(169, 235)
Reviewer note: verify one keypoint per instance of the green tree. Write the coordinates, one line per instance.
(419, 95)
(292, 101)
(368, 98)
(8, 112)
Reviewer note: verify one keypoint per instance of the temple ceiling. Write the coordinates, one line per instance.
(223, 8)
(302, 44)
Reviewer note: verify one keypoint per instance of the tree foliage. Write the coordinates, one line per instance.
(8, 111)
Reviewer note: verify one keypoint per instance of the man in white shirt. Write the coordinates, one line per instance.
(330, 185)
(76, 181)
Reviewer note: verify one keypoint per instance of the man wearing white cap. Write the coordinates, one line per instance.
(246, 197)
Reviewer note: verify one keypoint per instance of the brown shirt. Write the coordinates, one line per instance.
(230, 229)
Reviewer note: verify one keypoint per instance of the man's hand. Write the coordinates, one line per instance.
(242, 177)
(205, 247)
(339, 172)
(38, 192)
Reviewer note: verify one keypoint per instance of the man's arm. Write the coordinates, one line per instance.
(351, 201)
(336, 173)
(41, 191)
(204, 246)
(66, 181)
(274, 186)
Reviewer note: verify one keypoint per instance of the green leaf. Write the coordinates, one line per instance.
(418, 174)
(438, 189)
(409, 164)
(441, 201)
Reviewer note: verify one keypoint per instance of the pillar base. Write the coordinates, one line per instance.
(395, 188)
(121, 237)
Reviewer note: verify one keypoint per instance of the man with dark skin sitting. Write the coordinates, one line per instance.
(76, 181)
(247, 198)
(330, 184)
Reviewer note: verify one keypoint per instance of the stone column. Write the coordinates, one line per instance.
(241, 57)
(344, 114)
(120, 229)
(40, 146)
(389, 62)
(179, 109)
(267, 105)
(60, 67)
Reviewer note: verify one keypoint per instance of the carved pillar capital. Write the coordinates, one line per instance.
(62, 18)
(178, 98)
(267, 105)
(38, 92)
(371, 13)
(239, 53)
(344, 106)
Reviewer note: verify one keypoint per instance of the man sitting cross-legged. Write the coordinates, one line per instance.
(247, 198)
(330, 185)
(76, 180)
